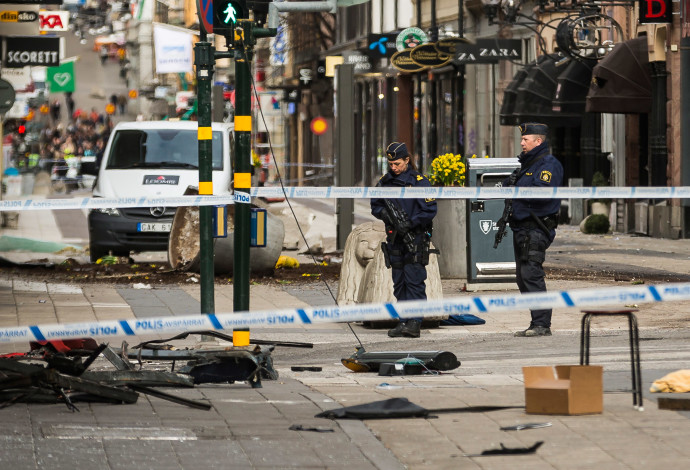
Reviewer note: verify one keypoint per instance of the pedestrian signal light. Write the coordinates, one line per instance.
(21, 129)
(226, 13)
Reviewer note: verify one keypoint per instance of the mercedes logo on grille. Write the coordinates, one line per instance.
(157, 211)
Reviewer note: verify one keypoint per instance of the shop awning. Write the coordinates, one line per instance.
(530, 96)
(621, 82)
(507, 112)
(572, 87)
(535, 94)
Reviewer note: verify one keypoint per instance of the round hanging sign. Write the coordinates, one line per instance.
(448, 46)
(401, 61)
(410, 38)
(426, 55)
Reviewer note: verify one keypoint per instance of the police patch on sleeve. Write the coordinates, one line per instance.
(545, 176)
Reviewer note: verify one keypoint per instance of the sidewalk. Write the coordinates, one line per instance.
(248, 428)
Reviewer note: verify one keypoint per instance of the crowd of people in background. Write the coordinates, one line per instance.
(47, 144)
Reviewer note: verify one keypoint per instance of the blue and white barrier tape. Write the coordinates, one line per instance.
(104, 203)
(452, 192)
(356, 192)
(352, 313)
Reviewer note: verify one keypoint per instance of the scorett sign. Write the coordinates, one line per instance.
(21, 51)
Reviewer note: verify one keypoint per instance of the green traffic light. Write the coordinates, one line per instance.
(231, 14)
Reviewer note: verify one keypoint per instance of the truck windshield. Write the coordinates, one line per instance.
(168, 148)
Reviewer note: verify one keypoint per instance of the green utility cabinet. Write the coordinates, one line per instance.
(484, 263)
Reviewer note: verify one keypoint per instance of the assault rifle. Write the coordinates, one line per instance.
(396, 218)
(502, 223)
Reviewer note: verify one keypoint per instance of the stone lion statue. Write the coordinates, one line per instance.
(364, 277)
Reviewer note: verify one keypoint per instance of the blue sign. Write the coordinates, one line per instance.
(381, 45)
(205, 11)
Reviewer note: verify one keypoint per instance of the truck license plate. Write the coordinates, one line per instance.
(154, 227)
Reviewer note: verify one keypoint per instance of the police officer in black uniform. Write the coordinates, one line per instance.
(534, 221)
(407, 243)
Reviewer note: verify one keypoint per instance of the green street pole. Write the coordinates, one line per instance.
(204, 61)
(243, 176)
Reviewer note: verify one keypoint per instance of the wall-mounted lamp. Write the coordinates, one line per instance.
(491, 9)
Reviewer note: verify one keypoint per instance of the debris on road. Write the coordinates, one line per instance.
(55, 371)
(363, 361)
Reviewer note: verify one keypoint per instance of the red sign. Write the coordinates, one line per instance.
(655, 11)
(53, 20)
(205, 12)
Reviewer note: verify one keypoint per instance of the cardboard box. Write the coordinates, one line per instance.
(569, 390)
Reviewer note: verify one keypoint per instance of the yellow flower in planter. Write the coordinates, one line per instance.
(447, 170)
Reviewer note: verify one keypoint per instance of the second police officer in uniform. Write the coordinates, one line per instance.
(407, 241)
(533, 221)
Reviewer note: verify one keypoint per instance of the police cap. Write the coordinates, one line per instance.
(396, 150)
(533, 128)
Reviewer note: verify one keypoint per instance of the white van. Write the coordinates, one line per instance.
(153, 159)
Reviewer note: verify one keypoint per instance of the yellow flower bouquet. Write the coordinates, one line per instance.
(447, 170)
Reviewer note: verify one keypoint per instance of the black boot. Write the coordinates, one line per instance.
(397, 331)
(411, 328)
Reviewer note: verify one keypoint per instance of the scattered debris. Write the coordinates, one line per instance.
(305, 369)
(520, 427)
(399, 408)
(299, 427)
(462, 319)
(56, 371)
(509, 450)
(362, 361)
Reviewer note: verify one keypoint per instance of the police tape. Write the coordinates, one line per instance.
(493, 192)
(352, 313)
(120, 202)
(354, 192)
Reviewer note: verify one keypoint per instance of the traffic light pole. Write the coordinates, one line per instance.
(243, 177)
(204, 61)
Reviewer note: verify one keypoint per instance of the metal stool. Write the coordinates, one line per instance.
(634, 346)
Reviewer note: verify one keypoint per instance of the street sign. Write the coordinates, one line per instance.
(19, 78)
(205, 11)
(132, 94)
(19, 20)
(61, 79)
(6, 96)
(449, 45)
(381, 45)
(22, 51)
(32, 2)
(401, 60)
(110, 108)
(488, 51)
(655, 11)
(410, 38)
(426, 55)
(361, 61)
(53, 20)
